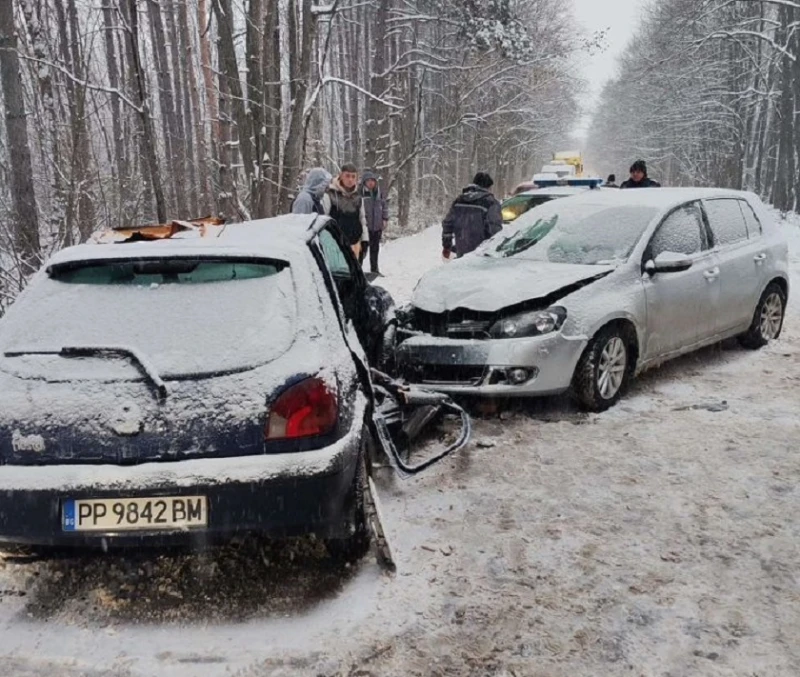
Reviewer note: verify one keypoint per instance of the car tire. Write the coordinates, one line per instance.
(353, 547)
(767, 320)
(605, 368)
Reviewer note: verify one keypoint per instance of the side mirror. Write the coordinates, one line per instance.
(668, 262)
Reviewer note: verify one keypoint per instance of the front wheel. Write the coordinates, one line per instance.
(767, 320)
(604, 370)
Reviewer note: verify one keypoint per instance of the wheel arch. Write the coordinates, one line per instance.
(627, 322)
(782, 282)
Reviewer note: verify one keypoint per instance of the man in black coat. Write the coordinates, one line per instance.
(639, 178)
(475, 216)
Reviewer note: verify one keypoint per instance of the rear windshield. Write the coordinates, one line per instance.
(147, 272)
(186, 316)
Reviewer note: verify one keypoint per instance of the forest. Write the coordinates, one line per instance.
(118, 112)
(708, 91)
(130, 111)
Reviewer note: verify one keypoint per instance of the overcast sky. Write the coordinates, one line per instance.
(620, 17)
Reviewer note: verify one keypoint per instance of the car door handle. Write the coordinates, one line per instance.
(760, 258)
(712, 274)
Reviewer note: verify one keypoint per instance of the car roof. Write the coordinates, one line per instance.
(557, 190)
(282, 237)
(662, 199)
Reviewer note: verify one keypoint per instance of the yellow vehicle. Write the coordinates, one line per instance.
(572, 158)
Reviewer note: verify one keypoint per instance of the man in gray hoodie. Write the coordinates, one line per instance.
(376, 213)
(309, 200)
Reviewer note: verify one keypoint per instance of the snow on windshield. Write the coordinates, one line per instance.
(182, 329)
(583, 233)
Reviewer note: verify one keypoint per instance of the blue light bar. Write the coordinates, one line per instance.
(575, 183)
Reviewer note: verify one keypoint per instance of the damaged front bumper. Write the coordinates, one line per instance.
(532, 366)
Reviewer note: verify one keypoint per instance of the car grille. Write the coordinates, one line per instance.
(444, 374)
(458, 324)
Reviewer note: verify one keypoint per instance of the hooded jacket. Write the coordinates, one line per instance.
(309, 201)
(346, 207)
(376, 210)
(475, 216)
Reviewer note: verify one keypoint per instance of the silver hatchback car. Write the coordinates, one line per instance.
(584, 293)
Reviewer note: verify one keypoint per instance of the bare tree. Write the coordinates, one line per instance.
(25, 216)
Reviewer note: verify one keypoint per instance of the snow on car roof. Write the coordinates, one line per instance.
(557, 190)
(659, 198)
(281, 237)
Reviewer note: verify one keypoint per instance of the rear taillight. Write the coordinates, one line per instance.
(304, 410)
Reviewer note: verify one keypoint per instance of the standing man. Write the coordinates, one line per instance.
(377, 216)
(343, 203)
(639, 178)
(309, 199)
(475, 216)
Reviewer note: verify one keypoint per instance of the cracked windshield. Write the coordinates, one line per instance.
(399, 337)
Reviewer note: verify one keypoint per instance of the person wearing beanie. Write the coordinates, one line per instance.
(611, 181)
(639, 178)
(474, 217)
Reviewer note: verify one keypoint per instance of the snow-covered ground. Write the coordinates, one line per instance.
(660, 538)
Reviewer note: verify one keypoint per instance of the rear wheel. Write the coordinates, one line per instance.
(767, 320)
(605, 368)
(354, 546)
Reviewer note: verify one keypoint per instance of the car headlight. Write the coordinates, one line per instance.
(532, 323)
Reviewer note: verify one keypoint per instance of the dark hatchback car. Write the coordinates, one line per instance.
(191, 388)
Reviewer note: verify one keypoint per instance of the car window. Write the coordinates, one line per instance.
(682, 232)
(726, 221)
(334, 256)
(147, 272)
(751, 220)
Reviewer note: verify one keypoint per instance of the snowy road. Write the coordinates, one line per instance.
(655, 539)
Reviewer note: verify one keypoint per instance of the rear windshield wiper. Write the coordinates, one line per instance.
(144, 365)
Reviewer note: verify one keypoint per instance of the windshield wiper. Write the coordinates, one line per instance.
(144, 365)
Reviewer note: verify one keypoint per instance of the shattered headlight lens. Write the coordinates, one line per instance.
(533, 323)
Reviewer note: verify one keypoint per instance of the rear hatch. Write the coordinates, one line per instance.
(127, 361)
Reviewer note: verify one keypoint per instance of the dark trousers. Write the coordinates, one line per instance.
(374, 248)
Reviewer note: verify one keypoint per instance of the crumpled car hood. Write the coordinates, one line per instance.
(487, 284)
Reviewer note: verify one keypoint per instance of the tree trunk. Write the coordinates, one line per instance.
(294, 148)
(114, 81)
(785, 176)
(183, 127)
(227, 56)
(25, 217)
(271, 70)
(377, 141)
(148, 137)
(167, 100)
(210, 94)
(81, 151)
(255, 97)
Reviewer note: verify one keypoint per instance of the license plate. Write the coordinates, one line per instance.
(132, 514)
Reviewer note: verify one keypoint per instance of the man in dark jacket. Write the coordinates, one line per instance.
(376, 212)
(639, 178)
(309, 200)
(474, 217)
(343, 203)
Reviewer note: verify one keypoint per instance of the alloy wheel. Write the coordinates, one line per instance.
(611, 370)
(771, 316)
